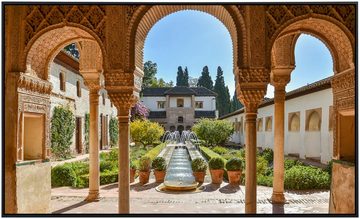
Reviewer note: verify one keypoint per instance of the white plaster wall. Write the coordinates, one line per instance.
(208, 103)
(304, 143)
(151, 102)
(187, 101)
(78, 105)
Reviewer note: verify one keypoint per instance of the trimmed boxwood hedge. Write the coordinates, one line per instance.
(63, 175)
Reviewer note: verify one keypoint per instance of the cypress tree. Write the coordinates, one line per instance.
(205, 79)
(150, 70)
(180, 77)
(235, 103)
(186, 78)
(223, 98)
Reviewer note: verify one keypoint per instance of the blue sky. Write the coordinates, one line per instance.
(195, 39)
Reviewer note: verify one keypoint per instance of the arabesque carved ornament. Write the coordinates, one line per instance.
(32, 83)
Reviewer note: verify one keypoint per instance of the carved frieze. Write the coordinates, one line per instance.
(276, 15)
(32, 83)
(41, 16)
(247, 75)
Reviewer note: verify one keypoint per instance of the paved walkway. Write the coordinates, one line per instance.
(77, 158)
(214, 199)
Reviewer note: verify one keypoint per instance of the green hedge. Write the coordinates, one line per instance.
(306, 177)
(153, 153)
(208, 153)
(63, 175)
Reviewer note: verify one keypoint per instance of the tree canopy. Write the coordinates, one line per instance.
(205, 79)
(223, 98)
(150, 70)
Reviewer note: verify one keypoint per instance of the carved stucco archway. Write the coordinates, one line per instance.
(336, 40)
(146, 17)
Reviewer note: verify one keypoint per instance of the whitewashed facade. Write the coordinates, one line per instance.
(308, 122)
(178, 108)
(75, 95)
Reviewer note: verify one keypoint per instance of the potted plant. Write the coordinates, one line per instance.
(199, 167)
(159, 166)
(234, 167)
(132, 171)
(144, 169)
(216, 166)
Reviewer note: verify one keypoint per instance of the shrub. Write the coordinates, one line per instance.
(264, 180)
(234, 164)
(145, 132)
(209, 129)
(113, 155)
(198, 165)
(329, 167)
(220, 150)
(82, 181)
(306, 177)
(208, 153)
(106, 165)
(261, 165)
(268, 154)
(113, 131)
(289, 163)
(87, 131)
(63, 175)
(144, 164)
(139, 111)
(216, 163)
(62, 131)
(133, 165)
(108, 177)
(80, 167)
(159, 164)
(153, 153)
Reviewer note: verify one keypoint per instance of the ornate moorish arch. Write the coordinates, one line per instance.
(145, 17)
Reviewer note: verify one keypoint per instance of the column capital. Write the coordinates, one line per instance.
(251, 95)
(91, 80)
(280, 77)
(123, 102)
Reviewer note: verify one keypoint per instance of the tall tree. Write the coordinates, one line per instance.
(150, 70)
(205, 79)
(235, 103)
(223, 98)
(180, 77)
(186, 77)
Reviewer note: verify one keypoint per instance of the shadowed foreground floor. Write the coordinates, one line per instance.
(215, 199)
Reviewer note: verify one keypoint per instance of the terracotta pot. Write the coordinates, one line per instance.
(217, 176)
(159, 175)
(234, 176)
(199, 176)
(144, 177)
(132, 175)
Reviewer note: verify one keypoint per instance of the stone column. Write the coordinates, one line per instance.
(251, 94)
(94, 168)
(123, 103)
(250, 159)
(279, 79)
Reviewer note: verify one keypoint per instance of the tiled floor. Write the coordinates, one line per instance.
(214, 199)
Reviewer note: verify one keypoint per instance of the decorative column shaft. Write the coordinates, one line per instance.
(279, 79)
(124, 162)
(123, 103)
(94, 168)
(250, 159)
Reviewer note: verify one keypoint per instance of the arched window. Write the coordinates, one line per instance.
(180, 119)
(78, 88)
(103, 99)
(62, 81)
(268, 124)
(294, 122)
(313, 121)
(260, 125)
(172, 128)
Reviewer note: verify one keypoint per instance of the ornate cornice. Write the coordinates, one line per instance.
(32, 83)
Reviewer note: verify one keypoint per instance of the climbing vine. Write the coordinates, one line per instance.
(113, 131)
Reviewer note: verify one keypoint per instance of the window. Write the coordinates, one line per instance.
(103, 99)
(294, 122)
(313, 121)
(260, 125)
(199, 104)
(78, 88)
(180, 119)
(180, 102)
(161, 104)
(62, 81)
(268, 124)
